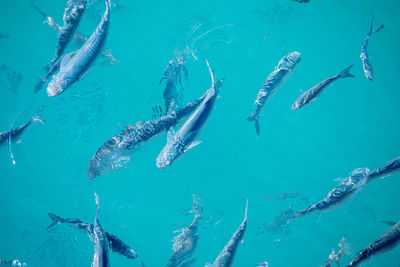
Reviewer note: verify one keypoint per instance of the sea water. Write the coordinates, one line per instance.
(354, 123)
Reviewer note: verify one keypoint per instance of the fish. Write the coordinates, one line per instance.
(71, 18)
(4, 36)
(302, 1)
(14, 133)
(336, 257)
(173, 87)
(116, 152)
(12, 263)
(184, 139)
(386, 242)
(341, 193)
(368, 70)
(185, 243)
(280, 74)
(225, 258)
(262, 264)
(114, 243)
(312, 94)
(100, 257)
(75, 65)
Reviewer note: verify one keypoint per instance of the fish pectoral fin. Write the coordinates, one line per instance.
(66, 59)
(192, 145)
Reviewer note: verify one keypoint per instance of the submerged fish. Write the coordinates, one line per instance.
(341, 193)
(285, 67)
(100, 257)
(116, 152)
(364, 51)
(262, 264)
(173, 86)
(184, 139)
(114, 243)
(75, 65)
(312, 94)
(12, 263)
(336, 257)
(389, 240)
(225, 258)
(185, 243)
(14, 133)
(301, 1)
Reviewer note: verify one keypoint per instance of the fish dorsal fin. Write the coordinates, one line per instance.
(192, 145)
(211, 74)
(170, 134)
(66, 59)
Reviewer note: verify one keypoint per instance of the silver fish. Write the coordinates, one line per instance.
(284, 69)
(336, 257)
(117, 151)
(184, 139)
(225, 258)
(387, 169)
(388, 241)
(75, 65)
(114, 243)
(185, 243)
(368, 70)
(312, 94)
(100, 257)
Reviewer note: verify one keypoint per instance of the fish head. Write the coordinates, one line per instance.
(292, 59)
(56, 86)
(164, 159)
(295, 106)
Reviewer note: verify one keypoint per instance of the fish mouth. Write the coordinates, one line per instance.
(54, 88)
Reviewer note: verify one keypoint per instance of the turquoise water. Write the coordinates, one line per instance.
(353, 124)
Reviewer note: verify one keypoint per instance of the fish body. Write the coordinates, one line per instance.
(340, 194)
(386, 242)
(184, 138)
(173, 87)
(312, 94)
(185, 243)
(116, 151)
(225, 258)
(114, 243)
(100, 258)
(75, 65)
(262, 264)
(14, 133)
(368, 70)
(281, 73)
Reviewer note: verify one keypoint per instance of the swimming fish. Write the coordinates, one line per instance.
(100, 257)
(115, 152)
(312, 94)
(262, 264)
(12, 263)
(341, 193)
(301, 1)
(72, 17)
(173, 87)
(389, 240)
(368, 70)
(336, 257)
(14, 133)
(184, 139)
(75, 65)
(284, 69)
(225, 258)
(185, 243)
(114, 243)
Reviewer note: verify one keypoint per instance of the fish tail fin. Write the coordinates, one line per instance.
(256, 124)
(284, 219)
(40, 83)
(344, 247)
(55, 219)
(346, 73)
(196, 206)
(211, 74)
(43, 14)
(245, 211)
(371, 30)
(97, 206)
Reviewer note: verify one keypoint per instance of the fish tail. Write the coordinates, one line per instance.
(371, 30)
(54, 220)
(108, 4)
(43, 14)
(40, 83)
(346, 73)
(256, 124)
(245, 211)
